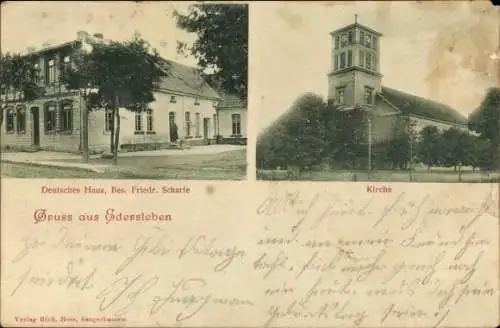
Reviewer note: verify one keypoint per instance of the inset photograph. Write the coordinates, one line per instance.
(124, 90)
(386, 91)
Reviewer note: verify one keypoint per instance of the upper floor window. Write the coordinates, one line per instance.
(21, 119)
(66, 116)
(66, 64)
(149, 120)
(336, 59)
(349, 58)
(361, 61)
(10, 119)
(340, 96)
(337, 41)
(374, 43)
(343, 40)
(368, 95)
(350, 37)
(50, 72)
(36, 74)
(368, 41)
(361, 37)
(215, 124)
(342, 60)
(49, 114)
(368, 60)
(236, 120)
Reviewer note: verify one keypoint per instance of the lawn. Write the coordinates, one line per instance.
(229, 165)
(444, 175)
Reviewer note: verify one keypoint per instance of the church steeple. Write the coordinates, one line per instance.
(354, 76)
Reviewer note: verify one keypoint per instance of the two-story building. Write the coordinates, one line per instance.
(355, 80)
(184, 108)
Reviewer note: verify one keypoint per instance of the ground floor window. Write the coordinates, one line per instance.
(188, 124)
(215, 124)
(149, 120)
(236, 119)
(21, 119)
(108, 120)
(198, 123)
(49, 115)
(10, 119)
(66, 116)
(138, 121)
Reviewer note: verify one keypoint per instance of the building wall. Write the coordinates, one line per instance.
(57, 140)
(226, 122)
(99, 138)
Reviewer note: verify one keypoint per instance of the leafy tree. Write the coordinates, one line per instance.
(451, 142)
(17, 74)
(402, 142)
(222, 43)
(481, 154)
(485, 120)
(124, 75)
(428, 149)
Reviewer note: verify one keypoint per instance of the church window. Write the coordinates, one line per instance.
(368, 61)
(336, 62)
(349, 37)
(340, 96)
(374, 43)
(343, 40)
(368, 95)
(374, 62)
(337, 41)
(349, 58)
(361, 37)
(342, 60)
(361, 58)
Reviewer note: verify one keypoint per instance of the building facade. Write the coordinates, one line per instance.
(232, 118)
(184, 110)
(355, 80)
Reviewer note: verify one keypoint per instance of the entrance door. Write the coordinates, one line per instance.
(205, 127)
(35, 125)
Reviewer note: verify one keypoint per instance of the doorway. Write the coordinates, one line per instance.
(35, 125)
(205, 127)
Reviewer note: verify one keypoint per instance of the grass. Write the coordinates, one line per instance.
(444, 175)
(229, 165)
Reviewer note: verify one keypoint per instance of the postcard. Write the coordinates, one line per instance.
(233, 164)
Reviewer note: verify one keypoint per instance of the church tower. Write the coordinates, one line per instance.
(354, 76)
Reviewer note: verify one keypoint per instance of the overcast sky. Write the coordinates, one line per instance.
(30, 24)
(443, 51)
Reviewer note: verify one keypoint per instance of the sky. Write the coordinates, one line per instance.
(443, 51)
(30, 24)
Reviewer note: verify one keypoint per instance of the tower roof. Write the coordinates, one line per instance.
(353, 25)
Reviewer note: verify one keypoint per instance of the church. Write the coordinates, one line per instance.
(355, 81)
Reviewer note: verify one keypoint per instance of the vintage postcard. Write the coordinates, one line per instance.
(137, 138)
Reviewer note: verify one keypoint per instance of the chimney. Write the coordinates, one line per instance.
(81, 35)
(30, 50)
(98, 36)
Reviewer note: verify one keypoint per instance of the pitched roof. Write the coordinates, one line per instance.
(411, 104)
(230, 100)
(186, 80)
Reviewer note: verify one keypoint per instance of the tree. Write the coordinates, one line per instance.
(124, 75)
(451, 142)
(399, 148)
(17, 74)
(428, 149)
(222, 43)
(485, 120)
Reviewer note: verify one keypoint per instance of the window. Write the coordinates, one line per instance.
(149, 120)
(336, 62)
(374, 43)
(343, 40)
(361, 37)
(349, 37)
(337, 41)
(349, 58)
(340, 96)
(36, 74)
(108, 120)
(368, 95)
(215, 124)
(198, 123)
(236, 119)
(374, 62)
(368, 61)
(342, 60)
(50, 73)
(188, 123)
(361, 58)
(171, 119)
(173, 100)
(21, 119)
(66, 116)
(138, 121)
(66, 65)
(50, 117)
(10, 120)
